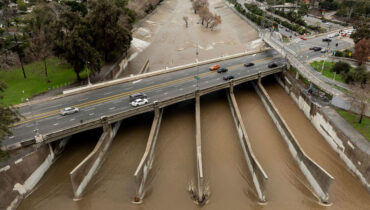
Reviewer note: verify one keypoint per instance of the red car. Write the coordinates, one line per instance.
(214, 67)
(303, 38)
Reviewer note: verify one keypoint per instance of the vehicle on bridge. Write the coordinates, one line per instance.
(248, 64)
(136, 96)
(139, 102)
(222, 70)
(214, 67)
(228, 77)
(272, 65)
(68, 110)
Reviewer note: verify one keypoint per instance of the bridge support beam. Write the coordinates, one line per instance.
(317, 177)
(82, 174)
(258, 174)
(145, 165)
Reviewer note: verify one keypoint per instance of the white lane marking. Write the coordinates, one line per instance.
(116, 102)
(107, 93)
(136, 81)
(83, 99)
(254, 55)
(55, 124)
(26, 113)
(72, 119)
(129, 88)
(165, 93)
(218, 79)
(112, 108)
(91, 114)
(149, 83)
(194, 85)
(86, 110)
(58, 118)
(206, 81)
(11, 137)
(28, 126)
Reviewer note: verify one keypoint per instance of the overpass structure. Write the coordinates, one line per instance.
(43, 123)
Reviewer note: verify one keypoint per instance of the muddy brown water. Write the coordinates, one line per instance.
(225, 170)
(346, 191)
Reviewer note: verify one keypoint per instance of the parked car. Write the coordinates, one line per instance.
(68, 110)
(214, 67)
(248, 64)
(326, 40)
(222, 70)
(135, 96)
(228, 77)
(272, 65)
(324, 50)
(333, 35)
(139, 102)
(303, 38)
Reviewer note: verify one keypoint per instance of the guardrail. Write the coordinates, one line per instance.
(258, 174)
(95, 123)
(318, 178)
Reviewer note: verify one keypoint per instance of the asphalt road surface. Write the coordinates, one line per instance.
(93, 104)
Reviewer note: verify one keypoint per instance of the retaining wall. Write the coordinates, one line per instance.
(258, 174)
(20, 177)
(350, 145)
(146, 162)
(319, 179)
(83, 172)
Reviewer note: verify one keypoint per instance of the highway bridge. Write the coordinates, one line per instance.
(44, 120)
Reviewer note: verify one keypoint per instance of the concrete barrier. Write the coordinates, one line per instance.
(318, 178)
(146, 162)
(350, 145)
(21, 176)
(198, 143)
(258, 174)
(83, 172)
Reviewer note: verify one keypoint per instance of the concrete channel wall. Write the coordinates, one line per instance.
(319, 179)
(20, 177)
(198, 143)
(83, 172)
(258, 174)
(146, 162)
(350, 145)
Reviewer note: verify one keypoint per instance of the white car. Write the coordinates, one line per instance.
(69, 110)
(139, 102)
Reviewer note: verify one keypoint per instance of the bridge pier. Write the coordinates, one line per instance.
(258, 174)
(319, 180)
(146, 162)
(82, 174)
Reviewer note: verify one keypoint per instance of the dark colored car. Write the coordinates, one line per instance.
(136, 96)
(326, 40)
(315, 49)
(229, 77)
(272, 65)
(248, 64)
(222, 70)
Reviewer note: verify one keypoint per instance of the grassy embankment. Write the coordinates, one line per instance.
(317, 65)
(60, 74)
(363, 128)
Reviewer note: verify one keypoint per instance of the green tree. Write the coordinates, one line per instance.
(8, 115)
(73, 42)
(110, 38)
(40, 36)
(21, 5)
(303, 9)
(76, 7)
(362, 27)
(340, 67)
(361, 90)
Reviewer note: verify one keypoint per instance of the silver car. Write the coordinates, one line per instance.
(139, 102)
(69, 110)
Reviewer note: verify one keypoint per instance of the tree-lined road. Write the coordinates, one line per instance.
(96, 103)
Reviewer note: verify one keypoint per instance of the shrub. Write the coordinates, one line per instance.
(340, 67)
